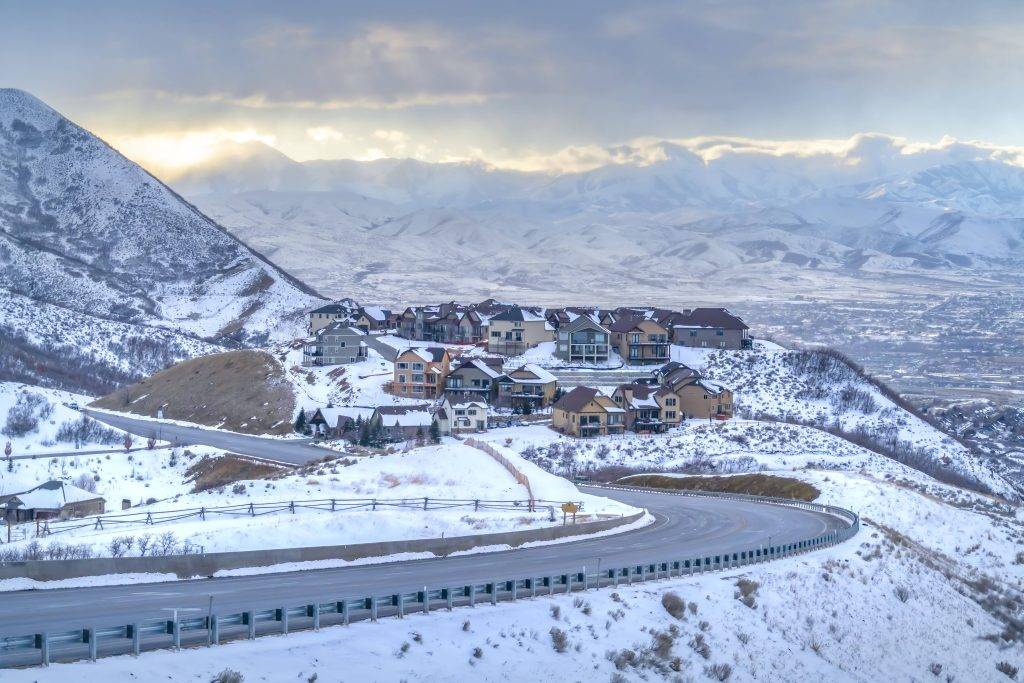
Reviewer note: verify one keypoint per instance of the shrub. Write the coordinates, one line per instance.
(902, 593)
(228, 676)
(746, 592)
(700, 646)
(86, 430)
(23, 417)
(1007, 669)
(674, 605)
(559, 639)
(718, 672)
(86, 483)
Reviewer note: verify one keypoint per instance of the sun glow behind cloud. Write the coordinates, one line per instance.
(177, 151)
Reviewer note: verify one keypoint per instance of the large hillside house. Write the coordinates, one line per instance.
(528, 387)
(585, 411)
(699, 398)
(583, 340)
(320, 318)
(640, 341)
(517, 329)
(401, 423)
(649, 408)
(371, 319)
(420, 372)
(475, 378)
(714, 328)
(336, 344)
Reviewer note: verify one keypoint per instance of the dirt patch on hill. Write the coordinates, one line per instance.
(213, 473)
(242, 391)
(750, 484)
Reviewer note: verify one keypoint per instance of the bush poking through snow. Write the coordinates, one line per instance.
(24, 416)
(746, 592)
(1007, 669)
(700, 646)
(902, 593)
(228, 676)
(674, 605)
(556, 612)
(559, 639)
(718, 672)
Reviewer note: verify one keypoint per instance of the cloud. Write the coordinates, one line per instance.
(324, 134)
(391, 135)
(171, 151)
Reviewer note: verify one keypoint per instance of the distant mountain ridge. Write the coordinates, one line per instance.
(86, 231)
(754, 224)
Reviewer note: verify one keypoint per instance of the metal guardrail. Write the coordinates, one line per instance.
(212, 629)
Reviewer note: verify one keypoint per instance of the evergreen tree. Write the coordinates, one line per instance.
(435, 432)
(527, 408)
(420, 439)
(300, 421)
(364, 434)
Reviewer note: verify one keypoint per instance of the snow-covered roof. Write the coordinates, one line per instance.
(412, 418)
(53, 495)
(375, 313)
(542, 375)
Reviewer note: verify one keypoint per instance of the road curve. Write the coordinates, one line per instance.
(292, 451)
(684, 527)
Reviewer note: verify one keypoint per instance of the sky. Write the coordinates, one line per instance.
(527, 85)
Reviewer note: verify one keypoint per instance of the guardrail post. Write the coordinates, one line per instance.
(90, 636)
(176, 633)
(401, 606)
(551, 585)
(284, 619)
(472, 595)
(426, 600)
(315, 613)
(43, 643)
(533, 588)
(136, 639)
(342, 608)
(373, 609)
(250, 620)
(449, 599)
(494, 592)
(214, 630)
(513, 582)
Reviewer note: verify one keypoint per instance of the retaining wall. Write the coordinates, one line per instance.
(187, 566)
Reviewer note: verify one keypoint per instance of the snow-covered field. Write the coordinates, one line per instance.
(450, 471)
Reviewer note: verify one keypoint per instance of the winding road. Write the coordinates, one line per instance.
(683, 527)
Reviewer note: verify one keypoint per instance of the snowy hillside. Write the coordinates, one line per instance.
(88, 232)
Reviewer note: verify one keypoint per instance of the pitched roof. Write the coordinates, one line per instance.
(711, 317)
(518, 314)
(487, 365)
(540, 375)
(583, 321)
(628, 324)
(428, 354)
(375, 313)
(53, 495)
(332, 308)
(576, 399)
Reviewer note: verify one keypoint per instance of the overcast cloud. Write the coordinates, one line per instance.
(524, 84)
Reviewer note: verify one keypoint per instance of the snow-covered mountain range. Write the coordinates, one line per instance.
(88, 237)
(736, 225)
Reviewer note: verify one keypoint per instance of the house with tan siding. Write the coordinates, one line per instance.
(420, 372)
(640, 341)
(512, 332)
(585, 411)
(529, 385)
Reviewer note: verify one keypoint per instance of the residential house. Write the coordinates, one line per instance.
(585, 411)
(50, 500)
(640, 341)
(459, 415)
(528, 387)
(699, 398)
(338, 422)
(517, 329)
(420, 372)
(475, 378)
(648, 408)
(714, 328)
(583, 340)
(471, 326)
(336, 344)
(372, 319)
(320, 318)
(401, 423)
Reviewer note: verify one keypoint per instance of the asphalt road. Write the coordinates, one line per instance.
(295, 452)
(685, 527)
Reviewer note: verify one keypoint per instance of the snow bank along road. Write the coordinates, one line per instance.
(683, 527)
(295, 452)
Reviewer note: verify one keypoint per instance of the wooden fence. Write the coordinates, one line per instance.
(507, 464)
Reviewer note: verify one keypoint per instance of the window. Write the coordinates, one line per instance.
(460, 412)
(634, 338)
(403, 366)
(670, 401)
(417, 389)
(417, 366)
(693, 333)
(419, 378)
(341, 344)
(721, 344)
(670, 414)
(720, 333)
(401, 379)
(563, 335)
(496, 334)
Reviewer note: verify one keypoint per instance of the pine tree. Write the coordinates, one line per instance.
(364, 434)
(435, 432)
(420, 437)
(300, 421)
(527, 408)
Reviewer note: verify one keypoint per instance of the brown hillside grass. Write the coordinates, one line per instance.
(750, 484)
(242, 391)
(212, 473)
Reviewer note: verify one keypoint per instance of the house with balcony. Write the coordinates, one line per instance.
(640, 341)
(586, 412)
(475, 378)
(420, 372)
(336, 344)
(528, 387)
(699, 398)
(372, 319)
(649, 408)
(583, 340)
(343, 311)
(401, 423)
(513, 331)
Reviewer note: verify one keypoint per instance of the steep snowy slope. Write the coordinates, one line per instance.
(87, 232)
(86, 229)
